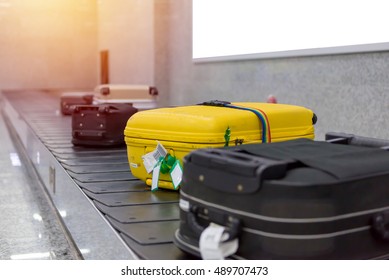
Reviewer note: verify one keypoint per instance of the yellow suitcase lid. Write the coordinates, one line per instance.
(209, 124)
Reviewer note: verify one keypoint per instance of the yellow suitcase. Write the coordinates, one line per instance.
(181, 130)
(141, 97)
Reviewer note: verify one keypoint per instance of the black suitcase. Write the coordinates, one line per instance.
(100, 125)
(70, 99)
(299, 199)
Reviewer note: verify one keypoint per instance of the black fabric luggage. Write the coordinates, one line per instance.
(70, 99)
(100, 125)
(299, 199)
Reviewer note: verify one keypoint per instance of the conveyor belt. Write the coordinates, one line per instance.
(127, 213)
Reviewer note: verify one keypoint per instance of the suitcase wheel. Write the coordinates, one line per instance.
(153, 91)
(380, 225)
(105, 91)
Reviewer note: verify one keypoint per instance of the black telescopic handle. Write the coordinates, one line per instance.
(351, 139)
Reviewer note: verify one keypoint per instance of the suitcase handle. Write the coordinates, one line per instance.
(106, 109)
(218, 103)
(88, 98)
(380, 225)
(232, 224)
(89, 134)
(242, 173)
(84, 108)
(351, 139)
(240, 163)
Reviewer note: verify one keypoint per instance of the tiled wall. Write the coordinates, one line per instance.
(349, 93)
(48, 44)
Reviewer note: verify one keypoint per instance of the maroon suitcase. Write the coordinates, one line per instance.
(70, 99)
(100, 125)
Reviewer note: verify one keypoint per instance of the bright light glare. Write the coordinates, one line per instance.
(236, 27)
(15, 160)
(37, 217)
(31, 256)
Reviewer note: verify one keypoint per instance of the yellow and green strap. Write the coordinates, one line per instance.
(266, 135)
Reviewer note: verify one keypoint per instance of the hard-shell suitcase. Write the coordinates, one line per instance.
(100, 125)
(141, 97)
(69, 99)
(212, 124)
(299, 199)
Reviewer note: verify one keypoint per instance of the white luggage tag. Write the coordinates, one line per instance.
(176, 174)
(212, 245)
(155, 178)
(151, 159)
(160, 161)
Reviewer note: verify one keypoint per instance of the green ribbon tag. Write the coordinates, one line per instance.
(227, 136)
(167, 163)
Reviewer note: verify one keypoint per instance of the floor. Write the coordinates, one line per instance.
(29, 228)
